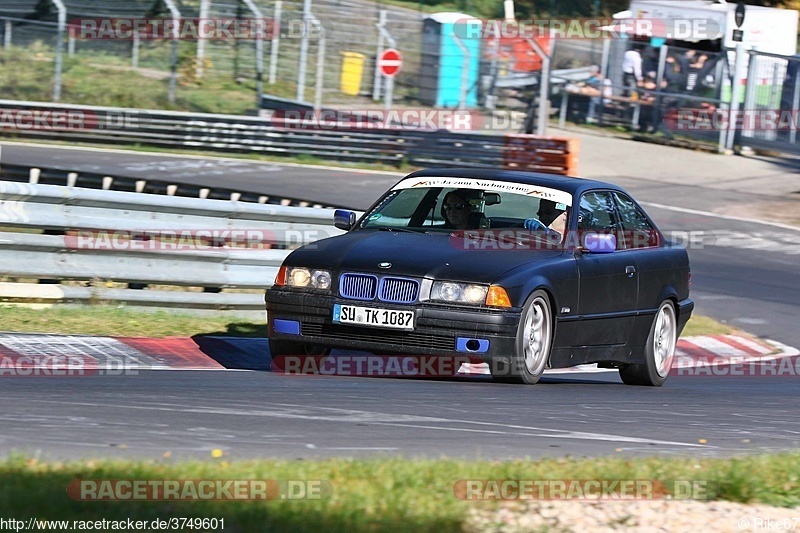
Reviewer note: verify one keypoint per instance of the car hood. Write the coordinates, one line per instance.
(432, 255)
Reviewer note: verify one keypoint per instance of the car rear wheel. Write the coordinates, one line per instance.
(659, 351)
(533, 343)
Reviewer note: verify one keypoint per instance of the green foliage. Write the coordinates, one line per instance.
(386, 494)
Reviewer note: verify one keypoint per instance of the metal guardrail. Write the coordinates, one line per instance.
(43, 226)
(231, 133)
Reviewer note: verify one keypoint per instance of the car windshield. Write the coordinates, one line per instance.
(448, 204)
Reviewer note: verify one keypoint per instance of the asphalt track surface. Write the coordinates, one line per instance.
(355, 188)
(261, 414)
(744, 272)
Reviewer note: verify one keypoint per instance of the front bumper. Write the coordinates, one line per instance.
(436, 332)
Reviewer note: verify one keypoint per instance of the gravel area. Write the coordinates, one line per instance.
(639, 516)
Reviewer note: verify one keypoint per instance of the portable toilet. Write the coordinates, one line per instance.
(450, 60)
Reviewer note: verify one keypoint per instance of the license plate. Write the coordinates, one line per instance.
(369, 316)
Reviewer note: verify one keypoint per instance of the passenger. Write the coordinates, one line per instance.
(549, 218)
(547, 212)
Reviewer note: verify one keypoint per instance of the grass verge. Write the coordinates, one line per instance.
(96, 78)
(120, 322)
(388, 494)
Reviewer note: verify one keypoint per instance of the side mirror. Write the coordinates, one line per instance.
(344, 219)
(599, 243)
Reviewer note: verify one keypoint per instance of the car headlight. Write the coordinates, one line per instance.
(307, 277)
(449, 291)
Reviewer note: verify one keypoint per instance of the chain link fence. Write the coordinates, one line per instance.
(772, 103)
(325, 52)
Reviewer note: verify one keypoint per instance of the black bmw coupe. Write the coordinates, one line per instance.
(524, 271)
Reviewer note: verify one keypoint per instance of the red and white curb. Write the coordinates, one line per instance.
(23, 350)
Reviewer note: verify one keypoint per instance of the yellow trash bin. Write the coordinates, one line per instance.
(352, 71)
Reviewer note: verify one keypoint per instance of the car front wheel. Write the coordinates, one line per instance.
(659, 351)
(533, 343)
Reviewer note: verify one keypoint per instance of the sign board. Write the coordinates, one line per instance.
(390, 62)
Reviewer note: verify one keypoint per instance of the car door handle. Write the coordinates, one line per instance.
(630, 270)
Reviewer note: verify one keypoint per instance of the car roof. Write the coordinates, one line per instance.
(570, 184)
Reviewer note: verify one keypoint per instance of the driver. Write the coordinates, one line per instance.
(461, 209)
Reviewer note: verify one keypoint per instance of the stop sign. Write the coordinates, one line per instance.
(390, 62)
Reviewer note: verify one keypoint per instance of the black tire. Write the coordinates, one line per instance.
(659, 350)
(533, 344)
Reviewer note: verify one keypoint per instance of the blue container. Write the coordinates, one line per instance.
(451, 45)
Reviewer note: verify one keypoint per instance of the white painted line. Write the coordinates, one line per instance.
(304, 412)
(716, 215)
(786, 351)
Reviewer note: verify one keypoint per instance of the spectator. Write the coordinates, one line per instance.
(596, 86)
(694, 72)
(674, 79)
(632, 70)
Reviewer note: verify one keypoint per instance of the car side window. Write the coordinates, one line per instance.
(597, 212)
(639, 232)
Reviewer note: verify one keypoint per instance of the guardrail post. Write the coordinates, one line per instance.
(320, 70)
(378, 78)
(173, 67)
(795, 99)
(62, 23)
(72, 179)
(107, 181)
(201, 41)
(135, 50)
(33, 175)
(544, 89)
(7, 35)
(301, 68)
(259, 49)
(70, 41)
(735, 96)
(275, 43)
